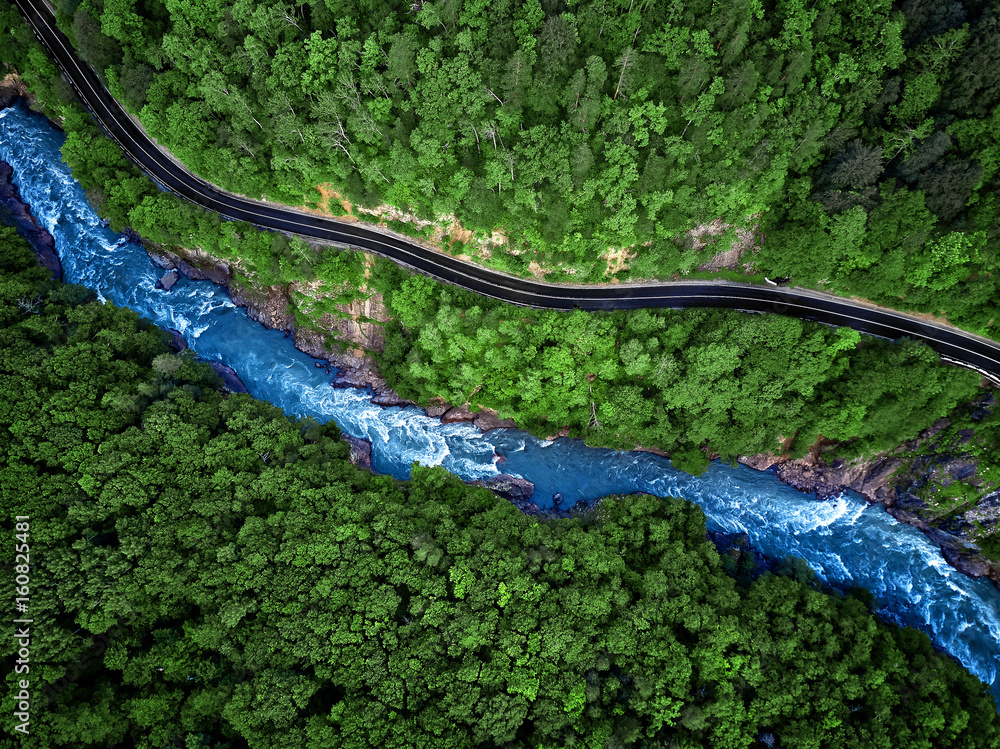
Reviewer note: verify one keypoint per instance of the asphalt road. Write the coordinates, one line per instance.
(956, 346)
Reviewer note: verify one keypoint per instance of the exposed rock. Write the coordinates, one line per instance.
(15, 212)
(805, 479)
(201, 267)
(910, 502)
(488, 419)
(161, 261)
(389, 399)
(437, 408)
(986, 511)
(516, 490)
(168, 280)
(985, 407)
(970, 564)
(230, 381)
(760, 462)
(457, 414)
(880, 480)
(557, 499)
(936, 428)
(878, 477)
(654, 450)
(961, 554)
(351, 378)
(12, 89)
(178, 343)
(361, 452)
(269, 307)
(812, 475)
(508, 487)
(960, 469)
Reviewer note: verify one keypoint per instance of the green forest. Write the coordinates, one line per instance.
(858, 137)
(217, 576)
(694, 384)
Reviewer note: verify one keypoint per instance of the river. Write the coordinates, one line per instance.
(845, 540)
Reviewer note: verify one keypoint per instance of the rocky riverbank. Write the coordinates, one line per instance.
(12, 89)
(16, 213)
(13, 210)
(891, 479)
(269, 307)
(355, 367)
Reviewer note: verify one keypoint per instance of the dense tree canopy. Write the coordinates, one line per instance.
(216, 575)
(857, 137)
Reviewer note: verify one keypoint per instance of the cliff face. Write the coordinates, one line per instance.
(356, 324)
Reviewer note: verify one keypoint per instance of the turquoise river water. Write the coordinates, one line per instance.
(845, 540)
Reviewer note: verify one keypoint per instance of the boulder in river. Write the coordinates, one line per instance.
(516, 490)
(457, 414)
(361, 452)
(168, 280)
(162, 261)
(488, 419)
(208, 269)
(178, 343)
(230, 381)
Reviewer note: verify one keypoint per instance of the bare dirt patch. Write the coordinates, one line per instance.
(327, 196)
(446, 233)
(728, 258)
(460, 233)
(618, 259)
(537, 270)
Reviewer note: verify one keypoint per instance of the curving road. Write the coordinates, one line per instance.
(955, 346)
